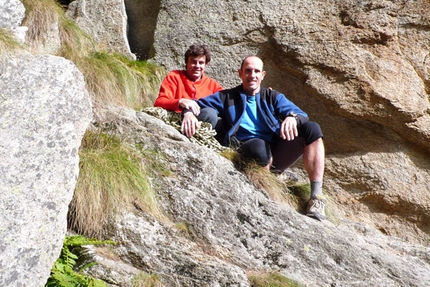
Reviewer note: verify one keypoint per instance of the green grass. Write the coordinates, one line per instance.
(301, 193)
(112, 179)
(113, 175)
(117, 80)
(75, 43)
(110, 78)
(271, 279)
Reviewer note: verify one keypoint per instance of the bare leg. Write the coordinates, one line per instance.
(268, 166)
(313, 159)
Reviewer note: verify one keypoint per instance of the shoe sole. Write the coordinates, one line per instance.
(316, 216)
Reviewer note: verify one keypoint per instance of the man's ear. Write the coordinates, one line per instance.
(263, 74)
(240, 73)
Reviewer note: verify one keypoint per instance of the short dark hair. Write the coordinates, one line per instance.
(198, 50)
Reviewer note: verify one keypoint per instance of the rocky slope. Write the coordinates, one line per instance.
(358, 68)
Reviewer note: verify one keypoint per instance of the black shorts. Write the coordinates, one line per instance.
(284, 153)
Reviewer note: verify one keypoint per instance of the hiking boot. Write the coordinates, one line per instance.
(315, 207)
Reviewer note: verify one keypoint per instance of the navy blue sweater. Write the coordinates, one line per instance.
(230, 105)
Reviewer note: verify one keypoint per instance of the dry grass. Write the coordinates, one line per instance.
(293, 194)
(41, 15)
(112, 175)
(7, 42)
(264, 179)
(110, 78)
(112, 179)
(146, 280)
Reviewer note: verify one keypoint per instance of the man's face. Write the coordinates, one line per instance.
(195, 67)
(252, 74)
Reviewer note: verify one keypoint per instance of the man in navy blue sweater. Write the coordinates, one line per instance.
(266, 127)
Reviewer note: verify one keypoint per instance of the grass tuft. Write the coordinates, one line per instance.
(114, 79)
(75, 43)
(146, 280)
(231, 155)
(41, 16)
(7, 42)
(112, 179)
(301, 193)
(264, 179)
(110, 78)
(271, 279)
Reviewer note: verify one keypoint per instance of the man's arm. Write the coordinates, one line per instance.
(291, 115)
(284, 107)
(167, 96)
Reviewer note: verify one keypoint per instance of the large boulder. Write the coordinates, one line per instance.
(11, 15)
(45, 110)
(105, 21)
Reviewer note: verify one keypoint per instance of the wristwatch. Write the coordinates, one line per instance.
(292, 114)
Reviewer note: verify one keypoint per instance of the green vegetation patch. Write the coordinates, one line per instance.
(64, 272)
(271, 279)
(301, 193)
(110, 78)
(115, 79)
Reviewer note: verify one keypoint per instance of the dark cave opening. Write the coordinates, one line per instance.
(142, 20)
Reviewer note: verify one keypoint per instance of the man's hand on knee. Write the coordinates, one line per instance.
(189, 124)
(289, 129)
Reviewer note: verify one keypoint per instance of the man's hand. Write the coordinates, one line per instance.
(190, 104)
(289, 129)
(189, 124)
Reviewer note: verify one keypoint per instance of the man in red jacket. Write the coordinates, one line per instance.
(180, 89)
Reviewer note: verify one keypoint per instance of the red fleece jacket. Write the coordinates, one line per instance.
(176, 86)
